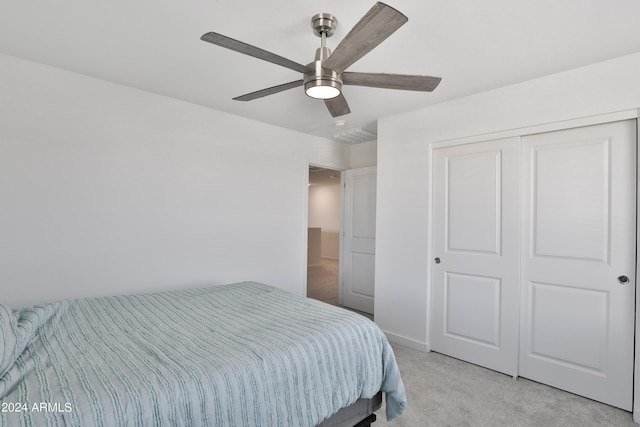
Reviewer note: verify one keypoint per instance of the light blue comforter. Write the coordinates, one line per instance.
(237, 355)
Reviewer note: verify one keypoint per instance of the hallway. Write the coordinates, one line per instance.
(322, 283)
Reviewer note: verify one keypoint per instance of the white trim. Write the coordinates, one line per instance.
(429, 240)
(305, 227)
(408, 342)
(547, 127)
(636, 364)
(341, 254)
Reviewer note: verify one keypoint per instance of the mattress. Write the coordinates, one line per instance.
(244, 354)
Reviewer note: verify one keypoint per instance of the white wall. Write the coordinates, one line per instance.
(364, 154)
(324, 212)
(402, 256)
(324, 207)
(107, 189)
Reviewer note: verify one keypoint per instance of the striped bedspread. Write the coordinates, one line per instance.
(245, 354)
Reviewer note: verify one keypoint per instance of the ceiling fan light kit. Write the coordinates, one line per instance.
(322, 88)
(324, 77)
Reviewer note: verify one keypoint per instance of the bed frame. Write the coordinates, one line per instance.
(360, 414)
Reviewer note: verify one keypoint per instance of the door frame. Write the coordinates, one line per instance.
(547, 127)
(636, 362)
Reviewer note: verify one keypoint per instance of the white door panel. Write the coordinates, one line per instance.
(472, 182)
(359, 239)
(476, 238)
(362, 274)
(579, 212)
(564, 337)
(479, 295)
(571, 178)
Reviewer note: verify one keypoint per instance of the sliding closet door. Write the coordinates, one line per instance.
(578, 262)
(475, 245)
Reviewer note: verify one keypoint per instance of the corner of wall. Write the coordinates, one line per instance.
(411, 343)
(364, 154)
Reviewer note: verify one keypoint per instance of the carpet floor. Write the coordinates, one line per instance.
(443, 391)
(322, 283)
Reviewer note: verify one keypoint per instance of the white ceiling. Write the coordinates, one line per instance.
(473, 45)
(320, 176)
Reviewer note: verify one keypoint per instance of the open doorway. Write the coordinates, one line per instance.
(323, 255)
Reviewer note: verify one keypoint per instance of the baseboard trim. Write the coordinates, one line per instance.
(408, 342)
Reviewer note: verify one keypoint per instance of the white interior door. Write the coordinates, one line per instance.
(579, 212)
(359, 240)
(475, 285)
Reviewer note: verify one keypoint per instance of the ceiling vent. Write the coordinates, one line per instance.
(355, 135)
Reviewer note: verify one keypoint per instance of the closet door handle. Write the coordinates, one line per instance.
(436, 260)
(623, 280)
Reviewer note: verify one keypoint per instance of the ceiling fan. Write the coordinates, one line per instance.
(323, 78)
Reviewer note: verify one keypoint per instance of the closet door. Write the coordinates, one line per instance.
(578, 261)
(475, 245)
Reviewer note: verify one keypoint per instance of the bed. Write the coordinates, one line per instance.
(245, 354)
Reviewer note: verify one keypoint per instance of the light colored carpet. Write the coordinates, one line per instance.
(443, 391)
(322, 281)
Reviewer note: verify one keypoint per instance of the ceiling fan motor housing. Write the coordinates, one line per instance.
(321, 76)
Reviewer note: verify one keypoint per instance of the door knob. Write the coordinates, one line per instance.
(436, 260)
(623, 280)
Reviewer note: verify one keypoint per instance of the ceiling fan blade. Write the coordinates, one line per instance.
(375, 26)
(268, 91)
(256, 52)
(337, 106)
(391, 81)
